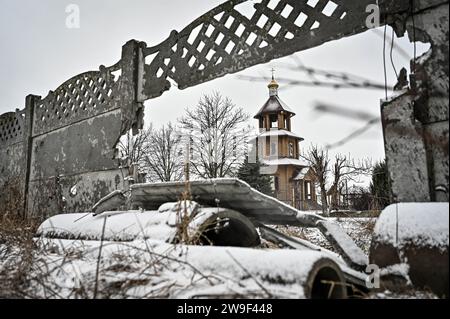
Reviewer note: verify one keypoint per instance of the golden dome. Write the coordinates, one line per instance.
(273, 84)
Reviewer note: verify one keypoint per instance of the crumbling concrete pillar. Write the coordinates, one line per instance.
(30, 103)
(415, 123)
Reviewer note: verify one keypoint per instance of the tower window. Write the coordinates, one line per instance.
(308, 190)
(273, 121)
(287, 124)
(274, 183)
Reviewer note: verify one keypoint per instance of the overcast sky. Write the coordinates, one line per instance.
(38, 53)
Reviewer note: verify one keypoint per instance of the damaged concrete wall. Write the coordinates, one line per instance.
(415, 123)
(63, 146)
(12, 161)
(12, 126)
(75, 131)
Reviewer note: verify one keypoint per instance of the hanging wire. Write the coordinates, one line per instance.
(391, 53)
(414, 36)
(384, 61)
(354, 134)
(398, 49)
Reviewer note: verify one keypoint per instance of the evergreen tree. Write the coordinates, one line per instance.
(380, 187)
(251, 174)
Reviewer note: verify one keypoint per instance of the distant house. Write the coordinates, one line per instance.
(351, 198)
(278, 149)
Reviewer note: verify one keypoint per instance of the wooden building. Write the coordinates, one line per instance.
(278, 149)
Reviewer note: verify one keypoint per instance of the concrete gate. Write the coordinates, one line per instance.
(60, 149)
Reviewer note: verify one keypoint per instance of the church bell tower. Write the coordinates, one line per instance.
(278, 149)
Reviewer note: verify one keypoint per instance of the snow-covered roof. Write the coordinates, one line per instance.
(354, 189)
(283, 161)
(278, 133)
(302, 173)
(274, 104)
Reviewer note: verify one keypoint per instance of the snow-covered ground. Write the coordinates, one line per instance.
(361, 230)
(153, 269)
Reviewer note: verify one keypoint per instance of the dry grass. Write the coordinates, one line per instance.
(29, 268)
(17, 251)
(11, 196)
(185, 234)
(17, 246)
(16, 238)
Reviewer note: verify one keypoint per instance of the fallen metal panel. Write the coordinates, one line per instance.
(272, 235)
(226, 193)
(342, 242)
(236, 194)
(275, 236)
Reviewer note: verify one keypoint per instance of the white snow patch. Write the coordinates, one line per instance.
(73, 190)
(185, 271)
(420, 224)
(120, 226)
(401, 270)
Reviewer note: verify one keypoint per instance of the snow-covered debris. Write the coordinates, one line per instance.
(111, 201)
(359, 229)
(202, 217)
(400, 270)
(344, 244)
(155, 269)
(416, 234)
(119, 226)
(73, 190)
(130, 225)
(187, 207)
(419, 224)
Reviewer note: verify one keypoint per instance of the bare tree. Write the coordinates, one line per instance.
(163, 160)
(217, 136)
(319, 162)
(133, 149)
(345, 169)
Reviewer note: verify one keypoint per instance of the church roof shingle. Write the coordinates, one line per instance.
(273, 105)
